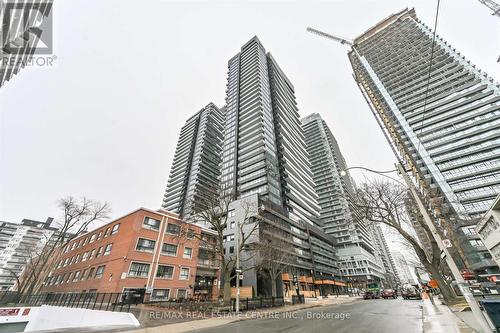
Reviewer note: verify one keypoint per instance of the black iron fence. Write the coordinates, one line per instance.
(92, 301)
(259, 303)
(124, 302)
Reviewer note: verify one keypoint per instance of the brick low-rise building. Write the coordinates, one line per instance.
(151, 253)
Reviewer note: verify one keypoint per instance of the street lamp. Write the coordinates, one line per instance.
(343, 173)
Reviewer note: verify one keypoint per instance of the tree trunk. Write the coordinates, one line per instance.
(227, 288)
(273, 287)
(448, 294)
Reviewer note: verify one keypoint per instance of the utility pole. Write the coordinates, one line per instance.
(238, 269)
(464, 287)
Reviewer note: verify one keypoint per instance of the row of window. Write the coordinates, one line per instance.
(88, 255)
(147, 245)
(92, 238)
(165, 294)
(154, 224)
(86, 274)
(141, 270)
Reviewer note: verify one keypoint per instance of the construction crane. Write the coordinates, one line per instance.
(335, 38)
(492, 5)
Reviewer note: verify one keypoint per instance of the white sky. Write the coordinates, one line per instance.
(104, 122)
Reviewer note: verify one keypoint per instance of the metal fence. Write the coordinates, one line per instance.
(92, 301)
(259, 302)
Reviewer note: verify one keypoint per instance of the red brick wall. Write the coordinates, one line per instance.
(124, 252)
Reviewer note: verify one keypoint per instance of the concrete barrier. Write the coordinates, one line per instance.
(48, 317)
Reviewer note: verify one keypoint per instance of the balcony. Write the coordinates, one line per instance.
(208, 263)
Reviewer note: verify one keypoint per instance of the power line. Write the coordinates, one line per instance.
(429, 74)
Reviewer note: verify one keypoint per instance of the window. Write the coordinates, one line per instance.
(106, 234)
(92, 254)
(86, 241)
(138, 269)
(99, 271)
(99, 252)
(145, 245)
(231, 225)
(165, 272)
(231, 213)
(190, 234)
(115, 229)
(169, 249)
(92, 238)
(181, 293)
(151, 223)
(173, 229)
(476, 242)
(160, 294)
(469, 230)
(85, 256)
(91, 273)
(107, 249)
(188, 253)
(184, 274)
(99, 235)
(70, 275)
(84, 273)
(231, 249)
(76, 277)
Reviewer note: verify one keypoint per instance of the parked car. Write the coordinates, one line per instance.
(389, 293)
(369, 294)
(411, 292)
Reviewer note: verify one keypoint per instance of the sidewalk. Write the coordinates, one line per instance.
(438, 318)
(229, 318)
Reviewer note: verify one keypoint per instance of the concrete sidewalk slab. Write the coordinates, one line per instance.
(438, 318)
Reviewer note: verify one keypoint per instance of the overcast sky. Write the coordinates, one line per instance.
(104, 122)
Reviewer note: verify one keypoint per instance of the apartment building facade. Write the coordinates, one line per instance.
(195, 171)
(264, 161)
(355, 246)
(442, 125)
(151, 253)
(489, 230)
(18, 243)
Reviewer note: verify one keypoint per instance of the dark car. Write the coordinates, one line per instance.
(371, 294)
(411, 292)
(389, 293)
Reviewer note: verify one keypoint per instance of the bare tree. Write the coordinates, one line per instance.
(76, 217)
(215, 215)
(386, 202)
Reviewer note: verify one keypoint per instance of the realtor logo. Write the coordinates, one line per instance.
(27, 27)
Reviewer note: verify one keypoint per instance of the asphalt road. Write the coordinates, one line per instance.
(377, 315)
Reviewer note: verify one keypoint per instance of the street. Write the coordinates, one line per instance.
(377, 315)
